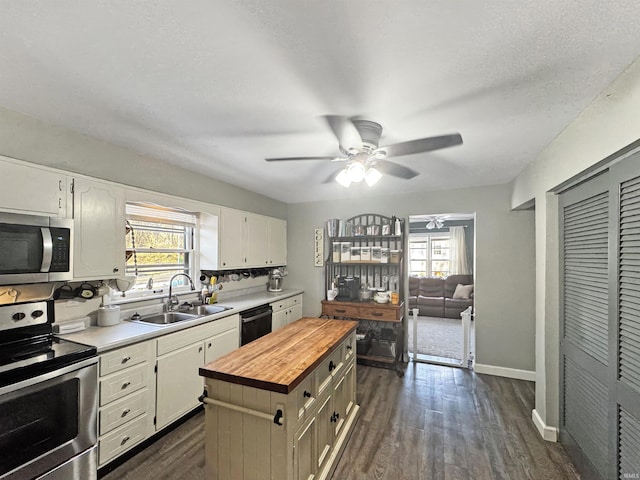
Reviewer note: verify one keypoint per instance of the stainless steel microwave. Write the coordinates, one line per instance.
(35, 249)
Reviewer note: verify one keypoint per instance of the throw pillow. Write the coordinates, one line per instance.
(462, 292)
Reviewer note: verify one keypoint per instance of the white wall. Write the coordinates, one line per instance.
(26, 138)
(610, 124)
(504, 261)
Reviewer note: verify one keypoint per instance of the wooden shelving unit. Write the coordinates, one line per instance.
(383, 323)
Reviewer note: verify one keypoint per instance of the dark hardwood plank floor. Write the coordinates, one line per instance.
(434, 423)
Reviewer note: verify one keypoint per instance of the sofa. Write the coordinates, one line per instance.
(433, 296)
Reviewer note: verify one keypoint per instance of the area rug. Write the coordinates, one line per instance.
(438, 337)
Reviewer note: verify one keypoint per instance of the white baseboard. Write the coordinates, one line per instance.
(550, 434)
(505, 372)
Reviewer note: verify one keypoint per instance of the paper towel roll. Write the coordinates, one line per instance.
(108, 315)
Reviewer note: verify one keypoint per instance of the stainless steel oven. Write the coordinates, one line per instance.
(48, 399)
(35, 249)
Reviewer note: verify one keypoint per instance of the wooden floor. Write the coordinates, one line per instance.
(434, 423)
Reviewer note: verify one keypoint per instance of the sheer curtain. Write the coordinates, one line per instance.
(459, 262)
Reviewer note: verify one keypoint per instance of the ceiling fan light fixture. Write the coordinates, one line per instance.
(343, 178)
(439, 223)
(372, 176)
(356, 172)
(431, 225)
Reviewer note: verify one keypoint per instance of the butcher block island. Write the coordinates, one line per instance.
(283, 406)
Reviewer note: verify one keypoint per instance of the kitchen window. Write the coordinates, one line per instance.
(159, 244)
(429, 255)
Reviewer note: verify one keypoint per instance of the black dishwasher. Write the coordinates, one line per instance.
(255, 323)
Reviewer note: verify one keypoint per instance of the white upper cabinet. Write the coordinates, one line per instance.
(231, 234)
(276, 241)
(98, 212)
(255, 240)
(32, 190)
(245, 240)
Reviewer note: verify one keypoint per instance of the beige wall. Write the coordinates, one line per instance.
(610, 124)
(26, 138)
(504, 261)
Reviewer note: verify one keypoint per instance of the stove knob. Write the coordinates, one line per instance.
(18, 316)
(37, 313)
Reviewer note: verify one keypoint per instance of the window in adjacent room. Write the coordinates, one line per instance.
(159, 245)
(429, 256)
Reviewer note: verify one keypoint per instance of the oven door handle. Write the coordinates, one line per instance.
(257, 317)
(47, 249)
(48, 376)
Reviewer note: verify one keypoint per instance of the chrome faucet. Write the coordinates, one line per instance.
(174, 301)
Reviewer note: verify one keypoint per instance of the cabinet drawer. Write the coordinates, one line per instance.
(349, 347)
(305, 394)
(121, 411)
(121, 439)
(124, 357)
(120, 384)
(377, 313)
(330, 367)
(175, 341)
(280, 305)
(338, 310)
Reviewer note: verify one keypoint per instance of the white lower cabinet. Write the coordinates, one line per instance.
(180, 356)
(286, 311)
(126, 399)
(146, 386)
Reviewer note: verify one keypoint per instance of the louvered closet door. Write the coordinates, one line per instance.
(625, 345)
(584, 332)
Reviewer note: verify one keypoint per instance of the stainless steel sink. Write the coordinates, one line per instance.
(167, 318)
(202, 310)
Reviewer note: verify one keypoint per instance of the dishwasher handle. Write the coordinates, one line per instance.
(257, 317)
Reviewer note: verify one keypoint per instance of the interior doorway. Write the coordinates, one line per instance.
(440, 264)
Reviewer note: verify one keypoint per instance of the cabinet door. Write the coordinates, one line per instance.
(221, 344)
(256, 240)
(294, 313)
(98, 212)
(231, 238)
(304, 451)
(278, 319)
(277, 241)
(31, 190)
(178, 383)
(343, 398)
(325, 431)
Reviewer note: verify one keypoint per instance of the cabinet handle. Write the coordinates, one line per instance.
(377, 314)
(332, 366)
(126, 359)
(335, 417)
(340, 310)
(349, 347)
(209, 345)
(124, 440)
(306, 394)
(125, 412)
(199, 349)
(60, 185)
(116, 269)
(125, 385)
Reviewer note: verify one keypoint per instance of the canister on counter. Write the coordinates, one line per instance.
(376, 254)
(336, 251)
(384, 255)
(355, 254)
(365, 254)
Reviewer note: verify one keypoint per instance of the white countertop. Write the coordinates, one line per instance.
(126, 332)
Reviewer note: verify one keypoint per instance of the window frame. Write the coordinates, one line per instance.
(429, 238)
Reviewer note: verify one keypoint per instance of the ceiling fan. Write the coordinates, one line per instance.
(365, 160)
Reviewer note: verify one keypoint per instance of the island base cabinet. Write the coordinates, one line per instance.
(307, 446)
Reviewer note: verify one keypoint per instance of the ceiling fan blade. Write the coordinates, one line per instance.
(345, 131)
(421, 145)
(287, 159)
(395, 170)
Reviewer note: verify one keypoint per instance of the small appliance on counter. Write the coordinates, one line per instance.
(275, 279)
(348, 288)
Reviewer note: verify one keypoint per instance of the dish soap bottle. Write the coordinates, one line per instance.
(398, 227)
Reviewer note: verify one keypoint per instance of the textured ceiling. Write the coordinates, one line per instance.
(217, 86)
